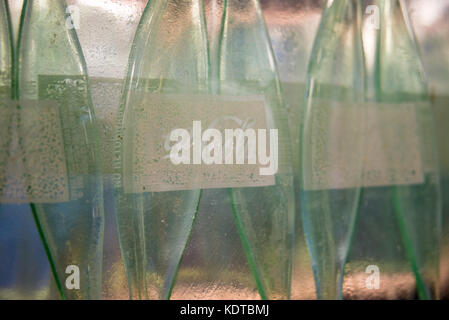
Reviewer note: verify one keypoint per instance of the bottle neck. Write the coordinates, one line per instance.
(394, 18)
(392, 11)
(44, 13)
(183, 9)
(43, 4)
(44, 7)
(241, 13)
(394, 14)
(5, 23)
(242, 6)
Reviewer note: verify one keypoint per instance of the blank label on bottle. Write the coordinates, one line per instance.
(371, 145)
(32, 158)
(152, 132)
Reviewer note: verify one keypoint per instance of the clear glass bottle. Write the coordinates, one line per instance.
(169, 57)
(331, 150)
(59, 148)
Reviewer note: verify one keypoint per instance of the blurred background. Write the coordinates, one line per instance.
(214, 269)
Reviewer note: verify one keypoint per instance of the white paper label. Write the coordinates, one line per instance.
(349, 149)
(32, 158)
(154, 160)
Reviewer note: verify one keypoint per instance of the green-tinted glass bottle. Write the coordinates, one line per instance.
(59, 144)
(264, 214)
(169, 60)
(331, 150)
(401, 97)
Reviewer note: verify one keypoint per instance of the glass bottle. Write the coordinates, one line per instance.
(169, 60)
(402, 101)
(331, 150)
(58, 143)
